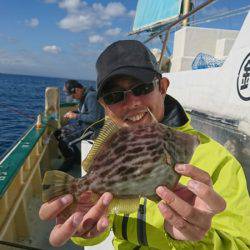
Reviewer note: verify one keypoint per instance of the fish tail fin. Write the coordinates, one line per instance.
(56, 183)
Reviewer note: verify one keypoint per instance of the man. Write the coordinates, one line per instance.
(208, 210)
(89, 111)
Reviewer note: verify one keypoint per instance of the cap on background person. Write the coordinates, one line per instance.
(71, 85)
(126, 57)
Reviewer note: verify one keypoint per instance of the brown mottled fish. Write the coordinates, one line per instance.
(129, 162)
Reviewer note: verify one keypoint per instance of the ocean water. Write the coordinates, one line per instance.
(21, 100)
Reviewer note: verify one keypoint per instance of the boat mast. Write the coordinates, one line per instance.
(186, 9)
(187, 12)
(164, 47)
(186, 4)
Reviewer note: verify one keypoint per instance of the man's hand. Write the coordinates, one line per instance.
(84, 222)
(188, 211)
(70, 115)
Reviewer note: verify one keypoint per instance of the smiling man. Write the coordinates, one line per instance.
(208, 210)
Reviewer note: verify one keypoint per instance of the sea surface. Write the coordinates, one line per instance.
(21, 100)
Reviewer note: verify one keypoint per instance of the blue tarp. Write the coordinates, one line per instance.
(150, 13)
(204, 61)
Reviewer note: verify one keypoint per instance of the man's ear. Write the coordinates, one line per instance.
(163, 85)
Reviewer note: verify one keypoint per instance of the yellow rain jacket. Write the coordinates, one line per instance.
(230, 229)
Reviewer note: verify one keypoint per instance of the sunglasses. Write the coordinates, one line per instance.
(138, 90)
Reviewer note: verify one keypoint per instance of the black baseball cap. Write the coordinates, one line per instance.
(126, 57)
(71, 85)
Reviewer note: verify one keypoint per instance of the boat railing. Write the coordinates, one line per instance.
(21, 177)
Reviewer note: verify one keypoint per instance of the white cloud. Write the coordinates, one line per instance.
(81, 16)
(113, 9)
(79, 22)
(33, 22)
(132, 13)
(72, 5)
(12, 58)
(32, 63)
(96, 39)
(8, 39)
(53, 49)
(113, 32)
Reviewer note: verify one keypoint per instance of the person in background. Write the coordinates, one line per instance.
(88, 112)
(209, 208)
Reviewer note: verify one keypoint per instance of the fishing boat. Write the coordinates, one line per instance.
(217, 98)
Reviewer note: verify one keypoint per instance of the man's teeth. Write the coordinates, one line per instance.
(136, 117)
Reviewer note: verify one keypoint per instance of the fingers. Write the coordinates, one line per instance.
(215, 203)
(174, 222)
(66, 115)
(194, 172)
(102, 224)
(51, 209)
(70, 115)
(185, 210)
(91, 219)
(97, 211)
(91, 224)
(201, 185)
(100, 227)
(188, 211)
(61, 233)
(184, 193)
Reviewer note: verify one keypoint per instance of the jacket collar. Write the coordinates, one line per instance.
(174, 115)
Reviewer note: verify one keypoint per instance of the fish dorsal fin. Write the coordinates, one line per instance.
(108, 129)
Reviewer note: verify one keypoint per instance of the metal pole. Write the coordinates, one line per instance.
(186, 8)
(164, 45)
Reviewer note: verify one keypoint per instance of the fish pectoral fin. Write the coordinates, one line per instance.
(56, 183)
(124, 205)
(83, 204)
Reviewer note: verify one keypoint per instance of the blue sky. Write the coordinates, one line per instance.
(63, 38)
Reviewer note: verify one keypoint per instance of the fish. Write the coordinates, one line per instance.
(130, 162)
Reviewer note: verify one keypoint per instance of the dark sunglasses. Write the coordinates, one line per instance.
(138, 90)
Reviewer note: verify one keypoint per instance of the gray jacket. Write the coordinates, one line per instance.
(89, 110)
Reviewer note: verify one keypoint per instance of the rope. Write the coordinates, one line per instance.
(218, 16)
(221, 15)
(17, 111)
